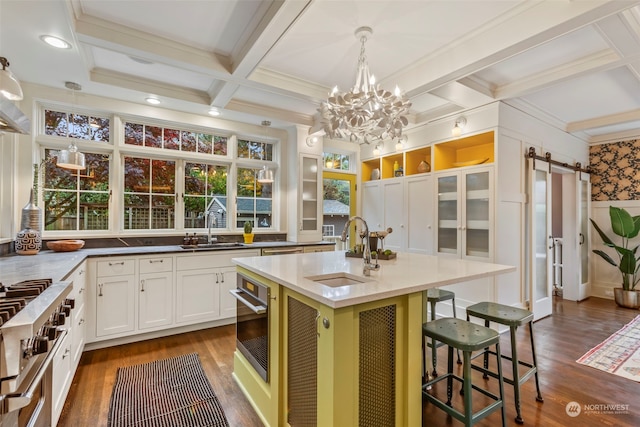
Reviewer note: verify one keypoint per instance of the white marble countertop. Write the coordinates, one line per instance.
(58, 265)
(403, 275)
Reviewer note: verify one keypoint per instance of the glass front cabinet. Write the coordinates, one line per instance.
(310, 220)
(465, 213)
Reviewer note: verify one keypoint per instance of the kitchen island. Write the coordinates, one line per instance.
(345, 349)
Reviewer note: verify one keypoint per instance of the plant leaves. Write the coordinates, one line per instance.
(603, 236)
(622, 223)
(606, 257)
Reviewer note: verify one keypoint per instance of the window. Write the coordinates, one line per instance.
(336, 161)
(174, 139)
(76, 200)
(254, 200)
(75, 125)
(255, 150)
(205, 196)
(149, 193)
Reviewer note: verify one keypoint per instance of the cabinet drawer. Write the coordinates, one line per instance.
(156, 265)
(116, 267)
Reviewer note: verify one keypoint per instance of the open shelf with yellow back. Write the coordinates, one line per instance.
(388, 162)
(468, 151)
(368, 166)
(413, 159)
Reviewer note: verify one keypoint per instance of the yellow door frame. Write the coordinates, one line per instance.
(352, 196)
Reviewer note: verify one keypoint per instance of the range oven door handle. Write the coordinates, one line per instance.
(12, 401)
(257, 309)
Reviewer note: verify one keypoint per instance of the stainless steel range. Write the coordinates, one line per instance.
(32, 318)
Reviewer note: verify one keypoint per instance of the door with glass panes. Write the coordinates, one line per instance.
(465, 213)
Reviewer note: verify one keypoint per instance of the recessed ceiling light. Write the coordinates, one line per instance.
(152, 100)
(214, 112)
(55, 42)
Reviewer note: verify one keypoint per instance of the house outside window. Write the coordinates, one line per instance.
(205, 196)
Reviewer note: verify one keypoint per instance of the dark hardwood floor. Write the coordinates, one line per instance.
(561, 339)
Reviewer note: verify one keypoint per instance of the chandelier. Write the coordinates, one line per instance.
(367, 113)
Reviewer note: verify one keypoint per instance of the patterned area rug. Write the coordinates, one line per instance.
(170, 392)
(619, 354)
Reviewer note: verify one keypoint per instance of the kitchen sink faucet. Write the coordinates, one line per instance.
(211, 220)
(366, 254)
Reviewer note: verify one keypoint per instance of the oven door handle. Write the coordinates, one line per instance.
(12, 401)
(257, 309)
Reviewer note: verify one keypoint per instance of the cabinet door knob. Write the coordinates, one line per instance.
(99, 289)
(141, 285)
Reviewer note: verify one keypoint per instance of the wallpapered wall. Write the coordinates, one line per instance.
(616, 171)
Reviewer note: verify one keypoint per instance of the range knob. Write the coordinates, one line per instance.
(70, 302)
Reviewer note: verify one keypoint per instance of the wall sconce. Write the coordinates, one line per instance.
(265, 176)
(400, 142)
(461, 122)
(9, 85)
(377, 150)
(71, 159)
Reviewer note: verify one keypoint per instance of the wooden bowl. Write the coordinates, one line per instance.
(65, 245)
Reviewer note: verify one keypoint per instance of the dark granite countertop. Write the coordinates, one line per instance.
(58, 265)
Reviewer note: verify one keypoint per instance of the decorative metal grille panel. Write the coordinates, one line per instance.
(377, 400)
(302, 375)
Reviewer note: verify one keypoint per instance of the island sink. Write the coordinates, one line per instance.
(338, 279)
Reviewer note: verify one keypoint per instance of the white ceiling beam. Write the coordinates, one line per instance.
(275, 22)
(138, 84)
(461, 94)
(599, 61)
(614, 137)
(129, 41)
(530, 25)
(611, 119)
(274, 113)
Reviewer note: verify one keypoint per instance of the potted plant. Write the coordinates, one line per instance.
(248, 232)
(627, 227)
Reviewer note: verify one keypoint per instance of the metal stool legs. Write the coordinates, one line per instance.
(434, 344)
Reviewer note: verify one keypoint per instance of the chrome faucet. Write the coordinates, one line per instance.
(366, 254)
(210, 219)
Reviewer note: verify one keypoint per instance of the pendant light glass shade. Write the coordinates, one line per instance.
(9, 85)
(71, 159)
(265, 175)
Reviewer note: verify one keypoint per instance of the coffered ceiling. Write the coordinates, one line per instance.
(574, 64)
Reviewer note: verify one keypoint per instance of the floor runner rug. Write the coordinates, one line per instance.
(619, 354)
(172, 392)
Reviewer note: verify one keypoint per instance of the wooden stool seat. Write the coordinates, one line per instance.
(467, 337)
(512, 317)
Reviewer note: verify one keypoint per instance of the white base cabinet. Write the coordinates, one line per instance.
(61, 377)
(137, 295)
(197, 295)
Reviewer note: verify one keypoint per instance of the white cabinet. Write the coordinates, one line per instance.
(77, 320)
(197, 295)
(202, 286)
(406, 206)
(227, 278)
(309, 210)
(61, 377)
(115, 296)
(465, 213)
(419, 215)
(155, 292)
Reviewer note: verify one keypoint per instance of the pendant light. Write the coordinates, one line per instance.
(9, 85)
(71, 158)
(265, 175)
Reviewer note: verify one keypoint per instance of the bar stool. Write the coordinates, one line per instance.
(435, 295)
(468, 337)
(512, 317)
